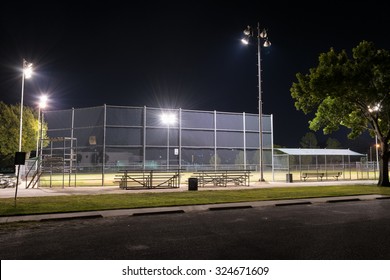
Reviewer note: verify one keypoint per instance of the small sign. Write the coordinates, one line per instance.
(92, 140)
(20, 158)
(176, 152)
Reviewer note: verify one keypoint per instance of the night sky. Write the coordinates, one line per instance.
(184, 54)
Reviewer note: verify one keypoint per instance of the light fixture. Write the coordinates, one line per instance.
(43, 101)
(261, 35)
(267, 43)
(375, 108)
(245, 41)
(169, 119)
(27, 73)
(41, 105)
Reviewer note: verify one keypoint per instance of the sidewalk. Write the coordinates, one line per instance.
(22, 192)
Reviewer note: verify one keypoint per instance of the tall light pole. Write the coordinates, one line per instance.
(27, 73)
(41, 105)
(374, 110)
(377, 146)
(261, 35)
(168, 118)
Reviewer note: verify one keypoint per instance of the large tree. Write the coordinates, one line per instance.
(333, 143)
(351, 91)
(309, 140)
(9, 130)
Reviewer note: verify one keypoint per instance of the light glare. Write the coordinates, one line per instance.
(168, 118)
(27, 69)
(375, 108)
(43, 101)
(245, 41)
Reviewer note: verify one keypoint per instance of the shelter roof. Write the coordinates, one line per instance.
(319, 152)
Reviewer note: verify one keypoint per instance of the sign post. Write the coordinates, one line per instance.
(20, 159)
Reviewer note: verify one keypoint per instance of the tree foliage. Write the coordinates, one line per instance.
(9, 130)
(351, 91)
(333, 143)
(215, 159)
(309, 140)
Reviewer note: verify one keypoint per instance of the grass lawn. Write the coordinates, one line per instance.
(40, 205)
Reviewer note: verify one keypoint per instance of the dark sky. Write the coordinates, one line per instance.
(184, 54)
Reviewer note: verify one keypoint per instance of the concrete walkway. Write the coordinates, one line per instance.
(36, 192)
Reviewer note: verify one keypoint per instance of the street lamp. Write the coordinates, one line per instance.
(41, 105)
(377, 146)
(261, 35)
(27, 73)
(374, 110)
(168, 118)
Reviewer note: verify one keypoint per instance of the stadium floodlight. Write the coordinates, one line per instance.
(41, 105)
(261, 35)
(374, 110)
(245, 41)
(168, 118)
(27, 73)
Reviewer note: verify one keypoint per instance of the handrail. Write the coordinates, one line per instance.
(36, 161)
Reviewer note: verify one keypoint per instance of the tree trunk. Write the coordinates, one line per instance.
(384, 167)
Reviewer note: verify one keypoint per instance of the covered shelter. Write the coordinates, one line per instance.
(320, 164)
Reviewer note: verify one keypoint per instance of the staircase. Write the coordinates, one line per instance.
(33, 174)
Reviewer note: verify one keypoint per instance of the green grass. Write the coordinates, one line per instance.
(57, 204)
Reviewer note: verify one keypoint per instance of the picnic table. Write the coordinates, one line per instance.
(320, 175)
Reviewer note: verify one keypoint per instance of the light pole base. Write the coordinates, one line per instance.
(261, 180)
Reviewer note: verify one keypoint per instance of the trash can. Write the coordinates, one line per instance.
(289, 178)
(192, 184)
